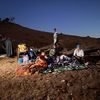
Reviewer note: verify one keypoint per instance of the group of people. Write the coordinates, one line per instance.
(38, 60)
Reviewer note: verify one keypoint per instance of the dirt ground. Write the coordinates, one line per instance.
(68, 85)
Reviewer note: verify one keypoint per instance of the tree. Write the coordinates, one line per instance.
(6, 20)
(12, 19)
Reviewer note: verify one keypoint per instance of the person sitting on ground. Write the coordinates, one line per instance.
(40, 63)
(52, 51)
(79, 54)
(54, 54)
(32, 55)
(64, 59)
(25, 58)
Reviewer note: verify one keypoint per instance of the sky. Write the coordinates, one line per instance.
(73, 17)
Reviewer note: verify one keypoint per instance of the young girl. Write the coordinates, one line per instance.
(25, 58)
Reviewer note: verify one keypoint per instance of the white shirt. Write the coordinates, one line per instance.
(55, 35)
(79, 53)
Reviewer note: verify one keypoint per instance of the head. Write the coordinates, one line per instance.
(2, 37)
(54, 29)
(31, 49)
(43, 53)
(78, 46)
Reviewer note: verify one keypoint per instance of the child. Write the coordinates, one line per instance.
(25, 58)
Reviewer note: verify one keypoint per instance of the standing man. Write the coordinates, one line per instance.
(55, 37)
(9, 47)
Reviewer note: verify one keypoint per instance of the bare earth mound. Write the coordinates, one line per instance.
(40, 39)
(69, 85)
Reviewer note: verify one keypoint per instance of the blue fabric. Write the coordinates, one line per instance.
(78, 46)
(32, 55)
(20, 60)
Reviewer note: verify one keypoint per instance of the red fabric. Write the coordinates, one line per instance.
(20, 71)
(41, 64)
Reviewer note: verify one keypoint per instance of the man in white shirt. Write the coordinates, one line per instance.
(79, 54)
(55, 37)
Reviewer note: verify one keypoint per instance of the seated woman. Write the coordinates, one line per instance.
(40, 63)
(79, 54)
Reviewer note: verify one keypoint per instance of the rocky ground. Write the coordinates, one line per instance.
(68, 85)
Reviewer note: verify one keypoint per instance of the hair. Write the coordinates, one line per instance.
(78, 45)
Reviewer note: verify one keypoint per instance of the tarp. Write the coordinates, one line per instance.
(63, 68)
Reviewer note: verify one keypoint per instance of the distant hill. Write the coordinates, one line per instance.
(40, 39)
